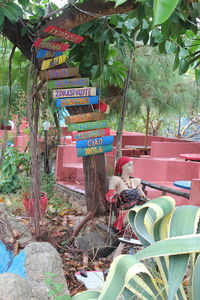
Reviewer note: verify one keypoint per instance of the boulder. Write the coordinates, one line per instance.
(13, 287)
(9, 222)
(40, 259)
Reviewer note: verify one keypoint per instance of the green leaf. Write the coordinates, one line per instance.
(7, 12)
(171, 246)
(40, 11)
(24, 3)
(176, 61)
(195, 280)
(87, 295)
(1, 16)
(183, 66)
(15, 9)
(162, 10)
(119, 2)
(197, 76)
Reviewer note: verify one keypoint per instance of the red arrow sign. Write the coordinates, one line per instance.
(40, 43)
(59, 32)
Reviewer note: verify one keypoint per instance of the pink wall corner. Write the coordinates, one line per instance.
(70, 155)
(151, 169)
(195, 192)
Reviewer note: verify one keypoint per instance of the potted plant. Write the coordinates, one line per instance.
(28, 200)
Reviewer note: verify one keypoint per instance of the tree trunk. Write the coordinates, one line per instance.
(123, 112)
(95, 183)
(33, 117)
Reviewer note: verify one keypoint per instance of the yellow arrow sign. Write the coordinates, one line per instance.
(50, 63)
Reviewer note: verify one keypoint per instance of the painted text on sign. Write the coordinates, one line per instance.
(40, 43)
(80, 92)
(58, 73)
(81, 152)
(75, 82)
(87, 126)
(84, 117)
(90, 134)
(50, 63)
(76, 101)
(106, 140)
(69, 36)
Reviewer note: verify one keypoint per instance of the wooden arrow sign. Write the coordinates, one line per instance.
(88, 117)
(105, 140)
(81, 152)
(59, 32)
(87, 126)
(90, 134)
(76, 101)
(75, 82)
(44, 53)
(52, 62)
(58, 73)
(40, 43)
(80, 92)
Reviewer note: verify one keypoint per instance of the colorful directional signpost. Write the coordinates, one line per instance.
(58, 73)
(79, 92)
(76, 101)
(93, 116)
(52, 62)
(59, 32)
(40, 43)
(44, 53)
(89, 130)
(94, 150)
(65, 83)
(77, 136)
(87, 126)
(105, 140)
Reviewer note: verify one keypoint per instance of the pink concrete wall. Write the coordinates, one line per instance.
(139, 139)
(150, 170)
(168, 149)
(21, 142)
(182, 170)
(195, 192)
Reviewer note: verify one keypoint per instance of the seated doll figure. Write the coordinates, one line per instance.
(124, 191)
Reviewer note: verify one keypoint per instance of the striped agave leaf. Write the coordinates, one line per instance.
(195, 280)
(163, 222)
(88, 295)
(170, 235)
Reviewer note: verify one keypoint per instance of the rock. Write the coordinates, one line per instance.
(42, 258)
(6, 219)
(13, 287)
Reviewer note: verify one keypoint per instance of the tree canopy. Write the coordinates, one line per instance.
(171, 25)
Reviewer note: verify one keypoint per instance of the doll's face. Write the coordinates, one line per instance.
(128, 167)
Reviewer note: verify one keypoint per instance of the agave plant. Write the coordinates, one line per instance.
(171, 239)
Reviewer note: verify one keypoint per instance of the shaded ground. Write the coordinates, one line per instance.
(56, 228)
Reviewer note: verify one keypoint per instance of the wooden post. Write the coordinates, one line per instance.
(46, 153)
